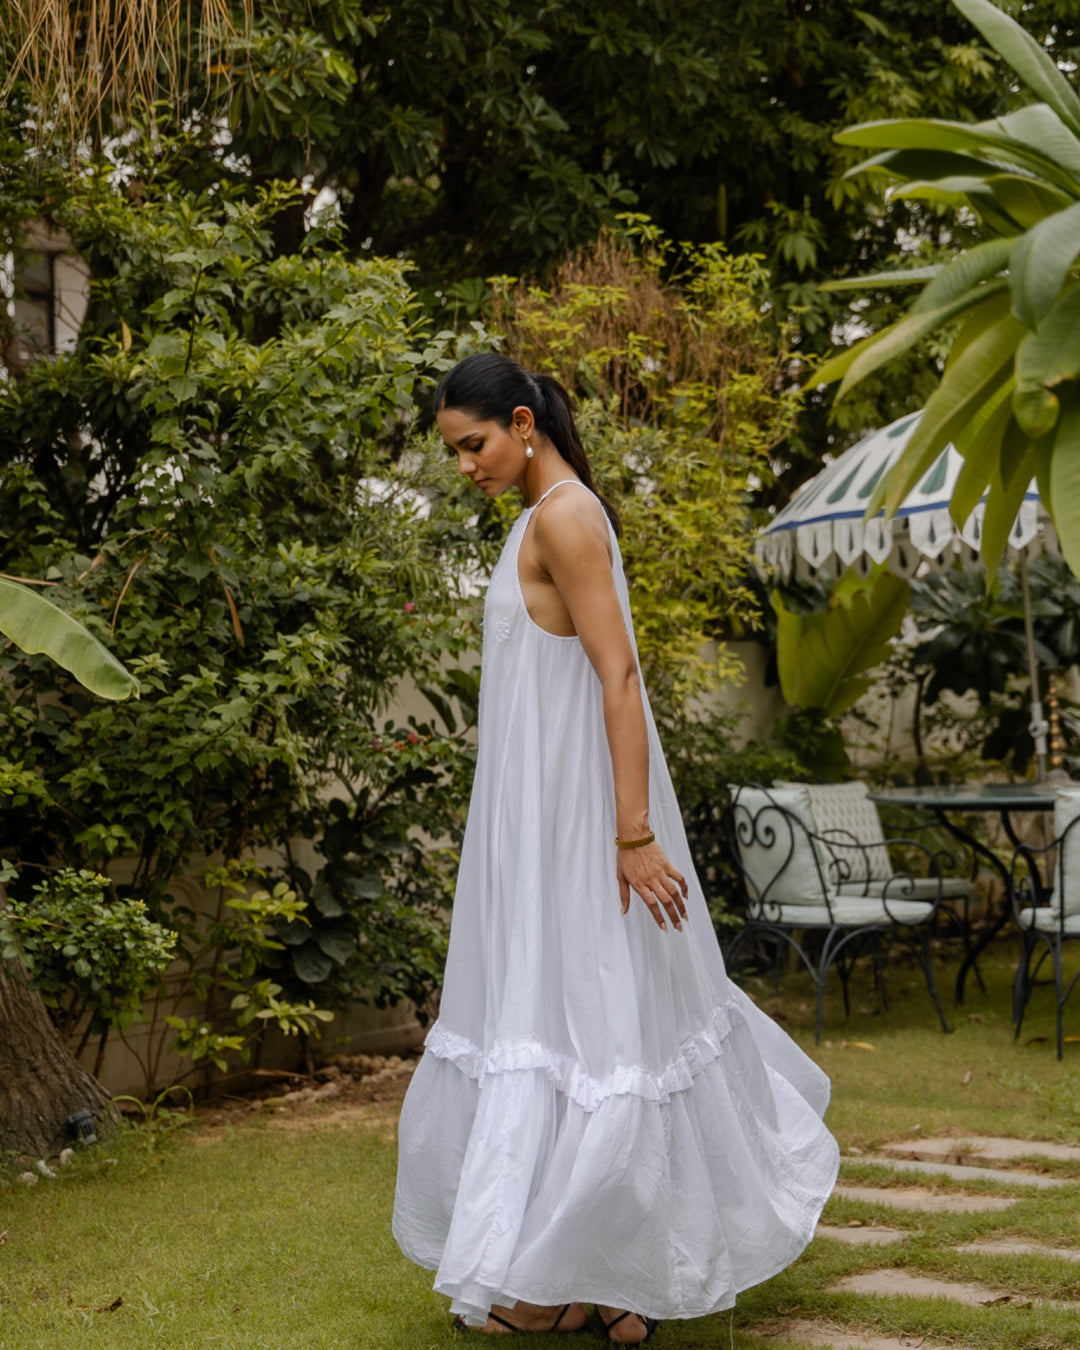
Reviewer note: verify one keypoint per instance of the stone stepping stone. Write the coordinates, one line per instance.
(861, 1235)
(981, 1147)
(924, 1199)
(893, 1282)
(836, 1338)
(962, 1172)
(1006, 1248)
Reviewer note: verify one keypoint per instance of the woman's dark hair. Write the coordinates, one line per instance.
(490, 386)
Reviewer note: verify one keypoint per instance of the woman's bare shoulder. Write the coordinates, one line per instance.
(572, 514)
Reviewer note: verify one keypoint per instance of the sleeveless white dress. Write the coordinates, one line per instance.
(599, 1114)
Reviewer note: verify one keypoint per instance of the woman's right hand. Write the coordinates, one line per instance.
(663, 889)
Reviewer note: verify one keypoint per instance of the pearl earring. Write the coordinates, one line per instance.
(529, 451)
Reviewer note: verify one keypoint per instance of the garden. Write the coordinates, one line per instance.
(241, 592)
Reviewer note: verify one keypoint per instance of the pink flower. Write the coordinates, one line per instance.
(409, 606)
(413, 737)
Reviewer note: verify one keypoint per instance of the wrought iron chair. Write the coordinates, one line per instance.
(1048, 911)
(846, 817)
(800, 883)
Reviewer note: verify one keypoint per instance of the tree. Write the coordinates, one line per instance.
(486, 137)
(1007, 310)
(41, 1084)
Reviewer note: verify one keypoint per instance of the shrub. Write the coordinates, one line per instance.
(86, 952)
(215, 482)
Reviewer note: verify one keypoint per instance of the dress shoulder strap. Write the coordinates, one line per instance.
(551, 489)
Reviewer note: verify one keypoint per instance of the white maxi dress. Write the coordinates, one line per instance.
(599, 1114)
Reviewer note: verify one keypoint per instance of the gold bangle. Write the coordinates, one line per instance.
(634, 843)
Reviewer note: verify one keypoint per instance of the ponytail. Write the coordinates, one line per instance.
(559, 426)
(491, 386)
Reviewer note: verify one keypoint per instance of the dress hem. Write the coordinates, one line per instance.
(469, 1300)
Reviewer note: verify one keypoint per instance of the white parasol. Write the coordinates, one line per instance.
(824, 527)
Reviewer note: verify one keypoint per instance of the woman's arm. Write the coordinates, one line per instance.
(573, 549)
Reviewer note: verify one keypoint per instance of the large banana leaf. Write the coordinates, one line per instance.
(1010, 393)
(1040, 263)
(823, 657)
(980, 362)
(35, 624)
(1039, 125)
(866, 356)
(1026, 57)
(980, 444)
(1044, 360)
(978, 264)
(982, 140)
(1065, 479)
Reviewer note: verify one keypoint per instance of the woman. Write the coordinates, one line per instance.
(599, 1116)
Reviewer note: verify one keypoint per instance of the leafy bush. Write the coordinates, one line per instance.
(972, 642)
(86, 951)
(219, 481)
(226, 957)
(684, 387)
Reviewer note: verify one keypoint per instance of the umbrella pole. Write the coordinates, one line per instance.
(1038, 724)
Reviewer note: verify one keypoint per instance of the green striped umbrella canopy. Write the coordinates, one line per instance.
(825, 526)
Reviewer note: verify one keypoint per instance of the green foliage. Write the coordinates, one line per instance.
(375, 919)
(682, 397)
(719, 122)
(85, 950)
(221, 484)
(225, 955)
(477, 137)
(973, 643)
(1009, 398)
(822, 655)
(156, 1121)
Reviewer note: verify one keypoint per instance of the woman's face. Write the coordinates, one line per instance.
(491, 455)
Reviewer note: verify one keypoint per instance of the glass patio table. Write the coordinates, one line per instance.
(950, 800)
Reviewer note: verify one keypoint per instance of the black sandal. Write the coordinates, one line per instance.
(461, 1325)
(649, 1323)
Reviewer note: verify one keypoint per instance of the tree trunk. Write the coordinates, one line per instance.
(41, 1084)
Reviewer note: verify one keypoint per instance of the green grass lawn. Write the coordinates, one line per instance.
(274, 1234)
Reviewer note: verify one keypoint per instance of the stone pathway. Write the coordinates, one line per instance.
(1005, 1248)
(925, 1199)
(961, 1172)
(890, 1282)
(977, 1158)
(980, 1148)
(836, 1338)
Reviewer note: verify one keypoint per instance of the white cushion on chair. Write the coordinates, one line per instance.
(844, 911)
(765, 836)
(1067, 878)
(1046, 919)
(902, 887)
(845, 814)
